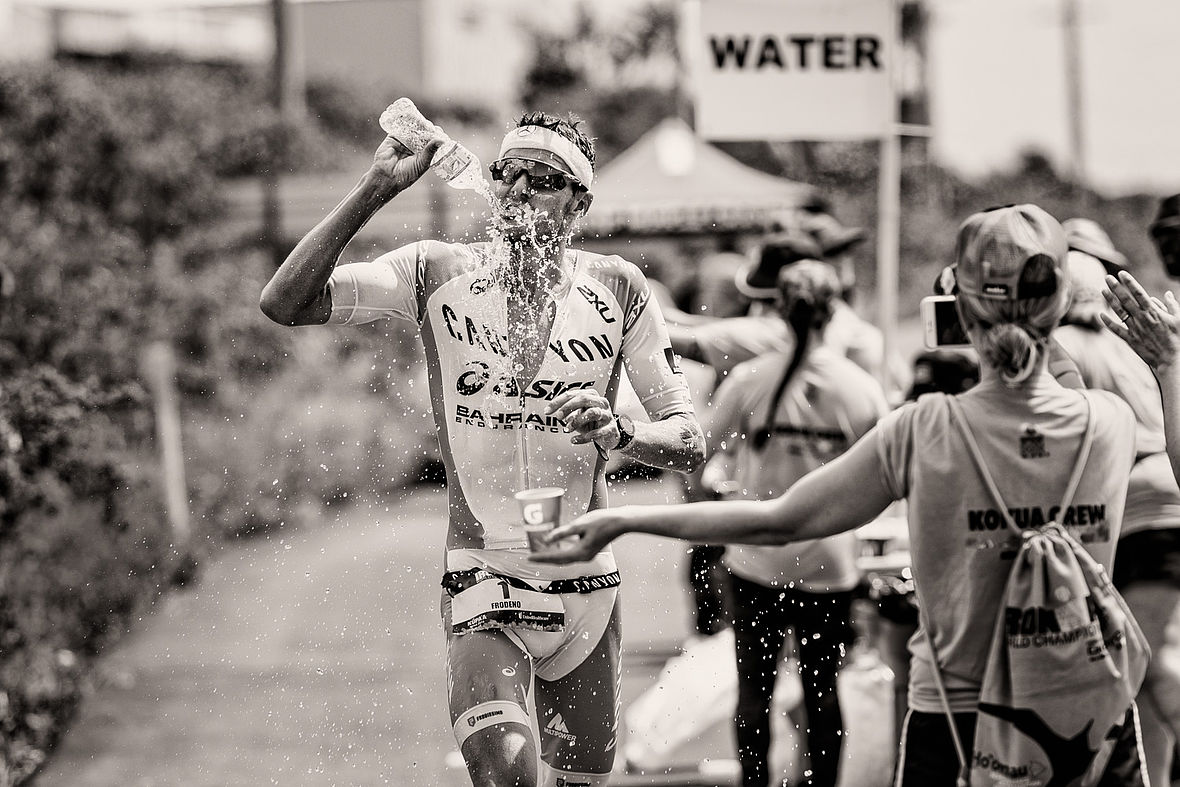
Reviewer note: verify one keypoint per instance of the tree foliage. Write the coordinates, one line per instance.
(102, 168)
(111, 175)
(622, 79)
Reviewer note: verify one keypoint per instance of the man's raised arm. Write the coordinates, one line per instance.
(298, 292)
(1152, 328)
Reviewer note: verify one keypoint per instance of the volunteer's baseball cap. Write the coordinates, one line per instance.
(1086, 235)
(996, 246)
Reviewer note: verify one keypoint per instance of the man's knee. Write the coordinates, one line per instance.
(502, 755)
(497, 744)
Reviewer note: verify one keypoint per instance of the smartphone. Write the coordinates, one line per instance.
(940, 323)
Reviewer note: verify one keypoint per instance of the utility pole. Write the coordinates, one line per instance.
(287, 72)
(286, 96)
(1073, 92)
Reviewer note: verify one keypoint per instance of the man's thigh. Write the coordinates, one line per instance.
(487, 674)
(577, 714)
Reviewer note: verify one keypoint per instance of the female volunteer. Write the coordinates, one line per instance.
(782, 415)
(1012, 293)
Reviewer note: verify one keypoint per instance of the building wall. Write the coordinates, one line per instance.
(378, 42)
(476, 50)
(26, 32)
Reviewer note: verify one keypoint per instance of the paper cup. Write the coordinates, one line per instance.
(540, 510)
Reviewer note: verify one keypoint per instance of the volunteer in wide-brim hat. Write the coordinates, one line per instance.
(1030, 431)
(1147, 563)
(849, 333)
(723, 343)
(526, 341)
(758, 280)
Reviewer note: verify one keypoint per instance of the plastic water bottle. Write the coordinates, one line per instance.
(454, 163)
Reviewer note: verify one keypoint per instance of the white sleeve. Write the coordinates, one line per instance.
(647, 354)
(390, 286)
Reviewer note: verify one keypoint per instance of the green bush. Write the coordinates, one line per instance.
(85, 547)
(346, 419)
(103, 170)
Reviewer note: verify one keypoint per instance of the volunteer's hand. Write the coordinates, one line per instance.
(588, 415)
(395, 167)
(583, 538)
(1150, 326)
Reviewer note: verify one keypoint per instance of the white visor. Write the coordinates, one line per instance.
(546, 146)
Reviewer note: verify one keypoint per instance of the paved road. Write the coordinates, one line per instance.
(316, 659)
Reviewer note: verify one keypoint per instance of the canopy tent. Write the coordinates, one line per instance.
(671, 182)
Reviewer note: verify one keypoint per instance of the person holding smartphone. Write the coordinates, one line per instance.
(1012, 292)
(943, 329)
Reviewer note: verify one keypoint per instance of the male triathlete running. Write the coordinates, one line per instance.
(525, 341)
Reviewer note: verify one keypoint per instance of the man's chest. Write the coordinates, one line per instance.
(484, 345)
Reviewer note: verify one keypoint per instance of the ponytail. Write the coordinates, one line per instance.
(1012, 350)
(808, 290)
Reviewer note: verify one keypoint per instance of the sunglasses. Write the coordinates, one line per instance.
(541, 177)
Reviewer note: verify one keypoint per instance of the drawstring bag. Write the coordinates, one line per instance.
(1066, 657)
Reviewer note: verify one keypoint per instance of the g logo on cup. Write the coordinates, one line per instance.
(540, 511)
(533, 514)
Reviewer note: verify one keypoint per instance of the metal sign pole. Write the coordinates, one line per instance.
(889, 213)
(888, 249)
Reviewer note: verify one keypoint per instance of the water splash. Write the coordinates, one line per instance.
(525, 272)
(525, 265)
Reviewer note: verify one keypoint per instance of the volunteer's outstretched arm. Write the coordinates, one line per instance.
(298, 293)
(841, 495)
(684, 342)
(1152, 328)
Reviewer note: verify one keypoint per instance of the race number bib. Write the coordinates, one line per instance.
(494, 604)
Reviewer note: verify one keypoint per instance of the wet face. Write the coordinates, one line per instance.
(535, 202)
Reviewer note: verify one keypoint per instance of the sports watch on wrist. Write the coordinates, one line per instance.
(626, 431)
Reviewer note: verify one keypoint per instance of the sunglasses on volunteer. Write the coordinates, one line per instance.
(541, 176)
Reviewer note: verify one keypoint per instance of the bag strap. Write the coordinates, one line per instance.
(977, 456)
(964, 777)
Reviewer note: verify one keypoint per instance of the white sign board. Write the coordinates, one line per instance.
(793, 69)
